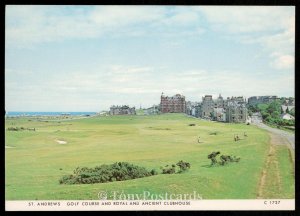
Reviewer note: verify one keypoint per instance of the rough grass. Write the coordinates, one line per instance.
(280, 175)
(34, 166)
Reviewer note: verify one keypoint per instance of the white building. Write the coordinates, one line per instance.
(287, 116)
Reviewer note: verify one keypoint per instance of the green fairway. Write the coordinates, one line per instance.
(36, 161)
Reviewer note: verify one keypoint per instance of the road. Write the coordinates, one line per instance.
(286, 135)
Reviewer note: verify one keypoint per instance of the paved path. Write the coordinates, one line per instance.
(288, 136)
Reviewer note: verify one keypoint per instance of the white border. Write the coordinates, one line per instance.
(144, 205)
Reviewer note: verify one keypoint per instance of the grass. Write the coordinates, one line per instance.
(34, 167)
(284, 128)
(280, 175)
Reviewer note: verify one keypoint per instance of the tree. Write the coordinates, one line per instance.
(264, 114)
(262, 107)
(269, 119)
(275, 114)
(274, 106)
(292, 112)
(287, 110)
(253, 108)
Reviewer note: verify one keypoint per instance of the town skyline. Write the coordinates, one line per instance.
(88, 58)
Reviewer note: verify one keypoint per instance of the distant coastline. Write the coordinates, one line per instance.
(17, 113)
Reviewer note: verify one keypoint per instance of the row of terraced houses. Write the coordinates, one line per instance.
(227, 110)
(231, 109)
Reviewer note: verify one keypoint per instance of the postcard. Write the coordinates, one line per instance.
(149, 108)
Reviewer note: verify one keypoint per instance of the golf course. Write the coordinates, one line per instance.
(35, 160)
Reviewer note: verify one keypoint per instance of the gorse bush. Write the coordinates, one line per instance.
(169, 169)
(119, 171)
(223, 159)
(20, 129)
(183, 166)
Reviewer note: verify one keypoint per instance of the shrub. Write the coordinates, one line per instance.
(183, 166)
(168, 170)
(153, 172)
(119, 171)
(223, 159)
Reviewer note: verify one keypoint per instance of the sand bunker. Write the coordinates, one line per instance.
(61, 141)
(9, 146)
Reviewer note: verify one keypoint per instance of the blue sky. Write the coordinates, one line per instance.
(87, 58)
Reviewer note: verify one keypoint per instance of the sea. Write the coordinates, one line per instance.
(13, 114)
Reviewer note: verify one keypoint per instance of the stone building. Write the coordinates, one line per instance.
(188, 107)
(219, 102)
(122, 110)
(193, 108)
(207, 106)
(236, 112)
(230, 110)
(174, 104)
(219, 114)
(261, 99)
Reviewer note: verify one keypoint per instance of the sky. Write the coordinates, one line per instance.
(87, 58)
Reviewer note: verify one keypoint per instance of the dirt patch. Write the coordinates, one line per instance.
(278, 140)
(261, 184)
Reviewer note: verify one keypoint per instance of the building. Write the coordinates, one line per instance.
(236, 112)
(261, 99)
(287, 116)
(207, 106)
(197, 110)
(288, 101)
(230, 110)
(219, 114)
(122, 110)
(188, 108)
(193, 108)
(174, 104)
(286, 109)
(219, 102)
(152, 110)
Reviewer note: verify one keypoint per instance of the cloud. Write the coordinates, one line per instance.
(31, 25)
(245, 19)
(273, 28)
(270, 30)
(109, 16)
(101, 87)
(121, 69)
(282, 61)
(181, 16)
